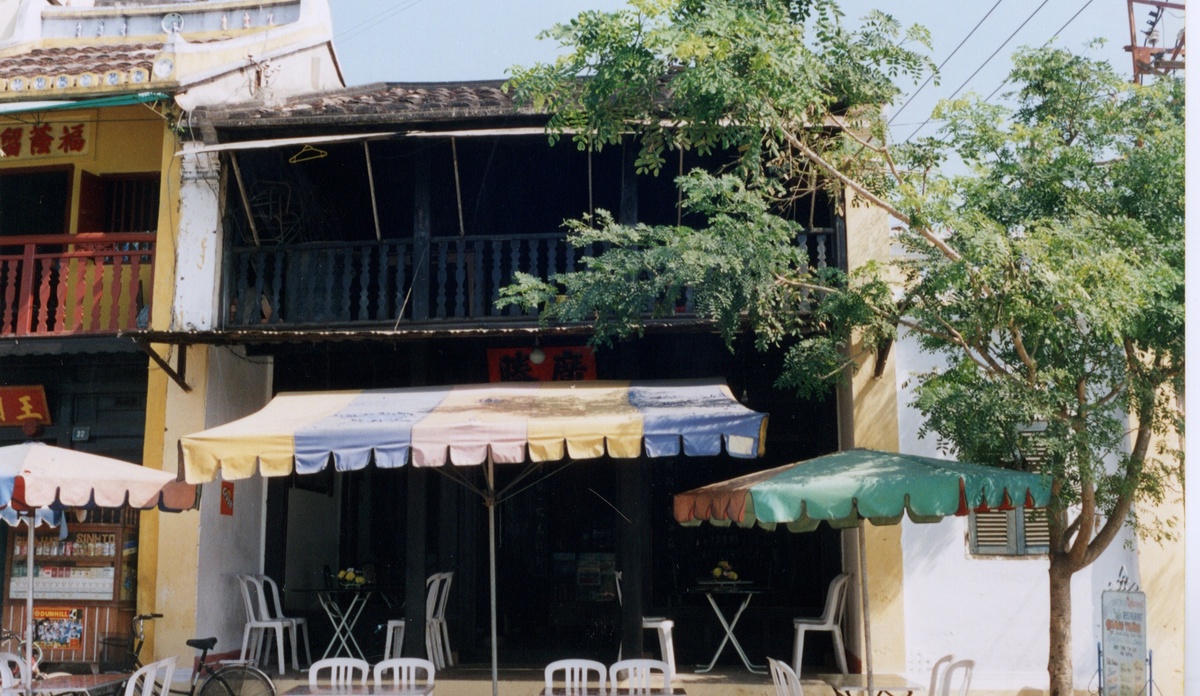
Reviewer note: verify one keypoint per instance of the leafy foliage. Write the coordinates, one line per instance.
(1050, 278)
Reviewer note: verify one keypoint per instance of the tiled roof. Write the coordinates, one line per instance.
(376, 102)
(96, 61)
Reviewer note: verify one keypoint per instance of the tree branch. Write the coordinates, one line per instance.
(858, 188)
(1019, 344)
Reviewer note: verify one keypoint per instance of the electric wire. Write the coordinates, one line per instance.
(374, 21)
(1052, 37)
(984, 64)
(943, 63)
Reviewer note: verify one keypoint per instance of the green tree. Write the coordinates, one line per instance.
(1049, 278)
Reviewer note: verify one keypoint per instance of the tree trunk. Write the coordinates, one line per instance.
(1060, 667)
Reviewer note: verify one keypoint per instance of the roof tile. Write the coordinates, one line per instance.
(76, 60)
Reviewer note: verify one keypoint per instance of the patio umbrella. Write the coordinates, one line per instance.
(38, 481)
(844, 488)
(477, 425)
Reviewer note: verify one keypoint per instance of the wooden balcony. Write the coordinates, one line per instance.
(398, 282)
(84, 284)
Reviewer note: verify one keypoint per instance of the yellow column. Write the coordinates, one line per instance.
(868, 418)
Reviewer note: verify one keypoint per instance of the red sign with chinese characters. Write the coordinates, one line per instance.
(19, 405)
(39, 140)
(227, 497)
(558, 364)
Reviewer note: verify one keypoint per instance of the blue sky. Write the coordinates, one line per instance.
(447, 40)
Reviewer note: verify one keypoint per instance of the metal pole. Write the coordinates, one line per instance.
(490, 501)
(866, 604)
(29, 556)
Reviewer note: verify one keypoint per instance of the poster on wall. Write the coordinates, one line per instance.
(1123, 643)
(59, 628)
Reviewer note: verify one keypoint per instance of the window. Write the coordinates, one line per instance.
(1009, 533)
(34, 201)
(1018, 532)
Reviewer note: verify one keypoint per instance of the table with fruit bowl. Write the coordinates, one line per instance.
(724, 580)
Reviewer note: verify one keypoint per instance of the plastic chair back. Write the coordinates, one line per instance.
(785, 679)
(12, 668)
(402, 671)
(248, 600)
(274, 608)
(152, 680)
(433, 588)
(641, 676)
(936, 675)
(835, 600)
(576, 675)
(957, 680)
(443, 595)
(343, 671)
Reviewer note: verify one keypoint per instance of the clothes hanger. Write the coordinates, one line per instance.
(306, 153)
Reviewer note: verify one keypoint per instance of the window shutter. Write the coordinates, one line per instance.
(992, 533)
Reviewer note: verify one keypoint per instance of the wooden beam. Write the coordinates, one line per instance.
(237, 174)
(371, 184)
(176, 375)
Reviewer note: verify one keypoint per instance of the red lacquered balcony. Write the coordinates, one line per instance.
(89, 284)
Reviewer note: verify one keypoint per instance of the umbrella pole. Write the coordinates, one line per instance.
(866, 604)
(490, 501)
(29, 556)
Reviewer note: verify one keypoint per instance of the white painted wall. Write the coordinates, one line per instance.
(994, 611)
(198, 246)
(230, 544)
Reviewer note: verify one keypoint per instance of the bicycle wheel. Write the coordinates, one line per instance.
(237, 680)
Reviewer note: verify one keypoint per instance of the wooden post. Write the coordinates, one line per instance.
(422, 231)
(414, 563)
(633, 551)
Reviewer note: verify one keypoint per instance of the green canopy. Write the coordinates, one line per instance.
(844, 487)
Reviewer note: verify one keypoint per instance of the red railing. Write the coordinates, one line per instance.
(89, 283)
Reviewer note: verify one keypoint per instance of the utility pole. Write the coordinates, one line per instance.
(1155, 55)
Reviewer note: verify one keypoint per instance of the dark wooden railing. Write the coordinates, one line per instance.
(90, 283)
(389, 282)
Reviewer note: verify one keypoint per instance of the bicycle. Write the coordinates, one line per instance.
(227, 679)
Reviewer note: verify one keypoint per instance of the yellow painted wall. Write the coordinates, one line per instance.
(1162, 578)
(867, 416)
(121, 140)
(165, 540)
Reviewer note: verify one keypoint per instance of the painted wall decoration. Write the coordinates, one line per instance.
(46, 139)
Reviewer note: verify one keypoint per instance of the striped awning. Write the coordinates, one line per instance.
(462, 425)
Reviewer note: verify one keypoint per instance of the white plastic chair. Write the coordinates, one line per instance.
(402, 672)
(258, 626)
(662, 625)
(957, 680)
(576, 675)
(786, 681)
(829, 620)
(274, 612)
(152, 680)
(937, 674)
(13, 667)
(343, 671)
(640, 675)
(442, 636)
(395, 639)
(437, 634)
